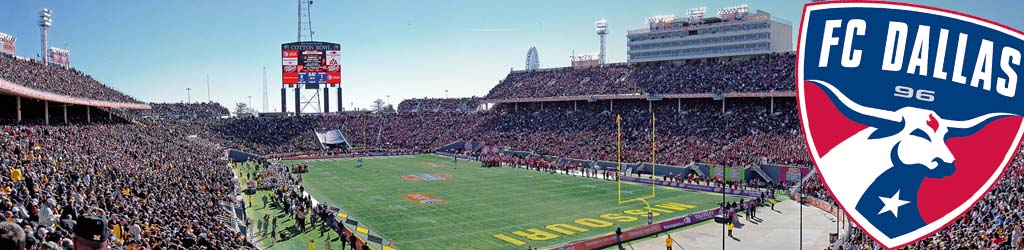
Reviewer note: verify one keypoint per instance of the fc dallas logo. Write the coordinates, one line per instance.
(911, 113)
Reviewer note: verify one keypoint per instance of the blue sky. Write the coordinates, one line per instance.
(153, 50)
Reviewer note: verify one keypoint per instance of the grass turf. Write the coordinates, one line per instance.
(481, 202)
(293, 238)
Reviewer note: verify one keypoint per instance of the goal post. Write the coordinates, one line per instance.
(618, 168)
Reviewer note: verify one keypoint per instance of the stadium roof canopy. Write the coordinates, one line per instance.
(10, 88)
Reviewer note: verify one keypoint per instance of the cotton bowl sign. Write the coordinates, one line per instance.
(910, 112)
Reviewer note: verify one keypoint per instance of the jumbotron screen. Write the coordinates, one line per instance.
(311, 63)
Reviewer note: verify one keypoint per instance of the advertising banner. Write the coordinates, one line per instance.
(7, 43)
(60, 56)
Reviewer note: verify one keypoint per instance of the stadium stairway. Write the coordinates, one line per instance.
(695, 169)
(809, 174)
(347, 143)
(454, 145)
(760, 171)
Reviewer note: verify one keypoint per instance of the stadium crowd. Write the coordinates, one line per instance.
(687, 132)
(152, 190)
(57, 79)
(439, 104)
(766, 73)
(258, 135)
(418, 131)
(814, 186)
(612, 79)
(182, 110)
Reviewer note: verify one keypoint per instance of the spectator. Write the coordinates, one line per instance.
(11, 236)
(91, 232)
(57, 79)
(118, 169)
(763, 74)
(182, 110)
(440, 104)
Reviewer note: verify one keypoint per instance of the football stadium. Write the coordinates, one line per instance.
(679, 131)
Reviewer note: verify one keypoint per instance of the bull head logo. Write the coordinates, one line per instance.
(907, 145)
(920, 134)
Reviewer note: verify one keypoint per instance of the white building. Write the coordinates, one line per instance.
(735, 32)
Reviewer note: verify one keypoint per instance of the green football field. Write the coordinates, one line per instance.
(423, 202)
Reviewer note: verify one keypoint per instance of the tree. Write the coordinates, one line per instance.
(242, 109)
(378, 105)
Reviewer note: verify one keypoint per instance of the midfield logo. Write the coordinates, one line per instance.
(427, 177)
(424, 199)
(910, 112)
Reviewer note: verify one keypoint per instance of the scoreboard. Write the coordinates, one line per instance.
(311, 64)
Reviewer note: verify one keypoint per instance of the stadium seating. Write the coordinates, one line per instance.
(268, 135)
(179, 192)
(183, 110)
(698, 132)
(439, 104)
(763, 74)
(57, 79)
(688, 132)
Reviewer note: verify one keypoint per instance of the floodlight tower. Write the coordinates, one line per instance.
(602, 30)
(45, 22)
(697, 14)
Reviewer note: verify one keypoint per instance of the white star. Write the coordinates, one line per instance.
(892, 204)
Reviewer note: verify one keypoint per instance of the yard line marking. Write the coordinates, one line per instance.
(523, 207)
(501, 229)
(488, 193)
(503, 193)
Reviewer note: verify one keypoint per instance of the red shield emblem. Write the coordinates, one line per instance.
(911, 113)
